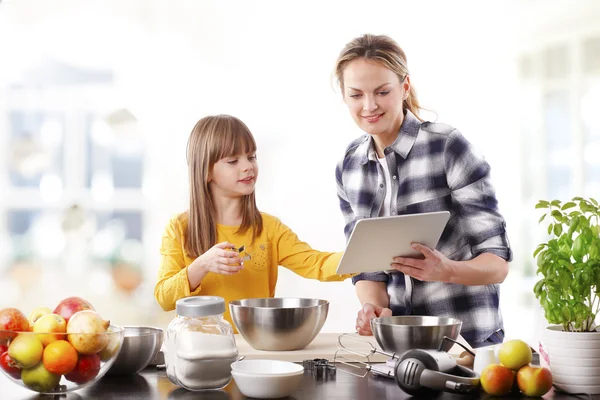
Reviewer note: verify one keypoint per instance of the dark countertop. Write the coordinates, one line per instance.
(152, 384)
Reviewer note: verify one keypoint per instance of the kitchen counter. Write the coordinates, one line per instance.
(153, 384)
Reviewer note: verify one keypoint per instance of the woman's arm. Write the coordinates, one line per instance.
(375, 302)
(372, 292)
(485, 269)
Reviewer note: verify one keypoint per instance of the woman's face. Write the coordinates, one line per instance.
(374, 96)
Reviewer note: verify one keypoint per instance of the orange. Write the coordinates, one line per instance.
(60, 357)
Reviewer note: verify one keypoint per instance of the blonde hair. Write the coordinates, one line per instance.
(213, 138)
(384, 50)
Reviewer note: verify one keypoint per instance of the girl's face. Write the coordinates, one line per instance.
(234, 176)
(374, 96)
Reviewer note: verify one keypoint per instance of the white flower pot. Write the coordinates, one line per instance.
(574, 359)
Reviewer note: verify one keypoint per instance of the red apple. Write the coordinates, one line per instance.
(497, 380)
(86, 369)
(14, 320)
(9, 365)
(534, 381)
(69, 306)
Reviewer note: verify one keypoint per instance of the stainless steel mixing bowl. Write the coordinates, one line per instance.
(279, 323)
(401, 333)
(140, 346)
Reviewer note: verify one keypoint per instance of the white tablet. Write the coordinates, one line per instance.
(374, 242)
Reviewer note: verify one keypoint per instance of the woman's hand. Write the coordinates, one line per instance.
(434, 267)
(220, 259)
(366, 314)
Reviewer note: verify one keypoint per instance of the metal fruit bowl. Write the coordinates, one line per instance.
(140, 345)
(401, 333)
(29, 363)
(279, 323)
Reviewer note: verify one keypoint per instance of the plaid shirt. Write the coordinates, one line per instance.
(433, 168)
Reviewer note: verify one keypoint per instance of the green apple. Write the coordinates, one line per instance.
(39, 378)
(48, 326)
(112, 347)
(37, 313)
(26, 349)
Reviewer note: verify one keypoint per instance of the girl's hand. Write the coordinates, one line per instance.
(222, 258)
(434, 267)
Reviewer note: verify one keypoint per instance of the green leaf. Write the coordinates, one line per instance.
(550, 227)
(568, 205)
(594, 202)
(555, 203)
(556, 214)
(542, 218)
(542, 204)
(557, 229)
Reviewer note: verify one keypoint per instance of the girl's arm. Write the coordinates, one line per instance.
(299, 257)
(173, 283)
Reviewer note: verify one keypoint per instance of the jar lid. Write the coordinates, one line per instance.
(200, 306)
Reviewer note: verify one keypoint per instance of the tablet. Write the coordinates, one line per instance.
(374, 242)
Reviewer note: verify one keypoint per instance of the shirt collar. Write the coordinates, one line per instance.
(402, 145)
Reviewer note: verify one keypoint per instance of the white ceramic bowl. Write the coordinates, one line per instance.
(266, 379)
(267, 367)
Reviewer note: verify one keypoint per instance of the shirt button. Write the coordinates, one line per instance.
(381, 185)
(394, 177)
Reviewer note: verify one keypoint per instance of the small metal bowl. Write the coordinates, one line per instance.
(407, 332)
(140, 346)
(279, 323)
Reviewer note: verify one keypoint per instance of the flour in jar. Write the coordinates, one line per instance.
(200, 361)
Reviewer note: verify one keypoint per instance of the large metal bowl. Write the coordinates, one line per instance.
(407, 332)
(140, 346)
(279, 323)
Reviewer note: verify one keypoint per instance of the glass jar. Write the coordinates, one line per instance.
(200, 345)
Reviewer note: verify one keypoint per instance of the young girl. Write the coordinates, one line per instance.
(223, 245)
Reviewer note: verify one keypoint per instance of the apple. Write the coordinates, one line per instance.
(112, 347)
(26, 349)
(87, 332)
(69, 306)
(39, 378)
(49, 328)
(37, 313)
(13, 320)
(9, 365)
(514, 354)
(534, 381)
(86, 369)
(497, 380)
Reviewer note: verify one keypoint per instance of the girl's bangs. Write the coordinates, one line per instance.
(235, 139)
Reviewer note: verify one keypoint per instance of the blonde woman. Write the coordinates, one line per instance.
(404, 165)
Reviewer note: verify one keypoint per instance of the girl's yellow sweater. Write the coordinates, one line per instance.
(277, 245)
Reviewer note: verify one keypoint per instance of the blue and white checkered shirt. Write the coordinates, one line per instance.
(433, 168)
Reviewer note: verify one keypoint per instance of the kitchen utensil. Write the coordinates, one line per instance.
(320, 368)
(140, 346)
(279, 323)
(266, 379)
(416, 371)
(483, 358)
(421, 372)
(401, 333)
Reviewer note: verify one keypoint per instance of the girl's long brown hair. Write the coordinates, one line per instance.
(213, 138)
(384, 50)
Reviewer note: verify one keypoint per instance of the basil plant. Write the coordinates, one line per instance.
(569, 263)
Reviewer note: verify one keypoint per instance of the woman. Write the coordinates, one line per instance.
(404, 165)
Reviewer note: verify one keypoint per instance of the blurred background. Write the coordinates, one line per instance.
(97, 100)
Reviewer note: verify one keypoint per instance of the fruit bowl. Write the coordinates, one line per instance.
(56, 363)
